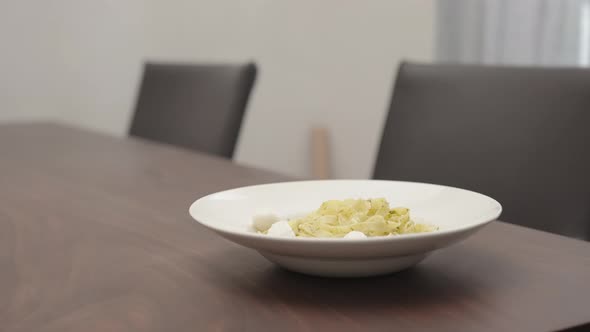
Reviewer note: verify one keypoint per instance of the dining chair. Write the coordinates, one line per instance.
(520, 135)
(195, 106)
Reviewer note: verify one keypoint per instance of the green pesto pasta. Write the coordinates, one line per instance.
(373, 217)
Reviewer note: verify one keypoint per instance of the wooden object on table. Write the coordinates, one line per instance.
(95, 236)
(320, 153)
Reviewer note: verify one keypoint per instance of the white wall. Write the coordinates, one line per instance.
(324, 62)
(27, 31)
(70, 60)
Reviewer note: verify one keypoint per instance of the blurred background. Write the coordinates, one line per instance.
(328, 64)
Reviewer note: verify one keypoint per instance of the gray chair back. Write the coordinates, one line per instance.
(199, 107)
(520, 135)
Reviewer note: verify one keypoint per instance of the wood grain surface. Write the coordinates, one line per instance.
(95, 236)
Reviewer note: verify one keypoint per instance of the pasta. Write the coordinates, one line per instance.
(372, 217)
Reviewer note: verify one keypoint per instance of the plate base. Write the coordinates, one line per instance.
(344, 268)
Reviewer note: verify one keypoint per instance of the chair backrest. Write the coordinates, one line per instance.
(199, 107)
(520, 135)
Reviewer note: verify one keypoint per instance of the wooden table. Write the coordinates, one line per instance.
(95, 236)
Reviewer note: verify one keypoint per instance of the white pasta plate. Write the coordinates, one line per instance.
(457, 213)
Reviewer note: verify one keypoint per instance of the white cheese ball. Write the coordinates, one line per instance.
(355, 235)
(281, 228)
(262, 221)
